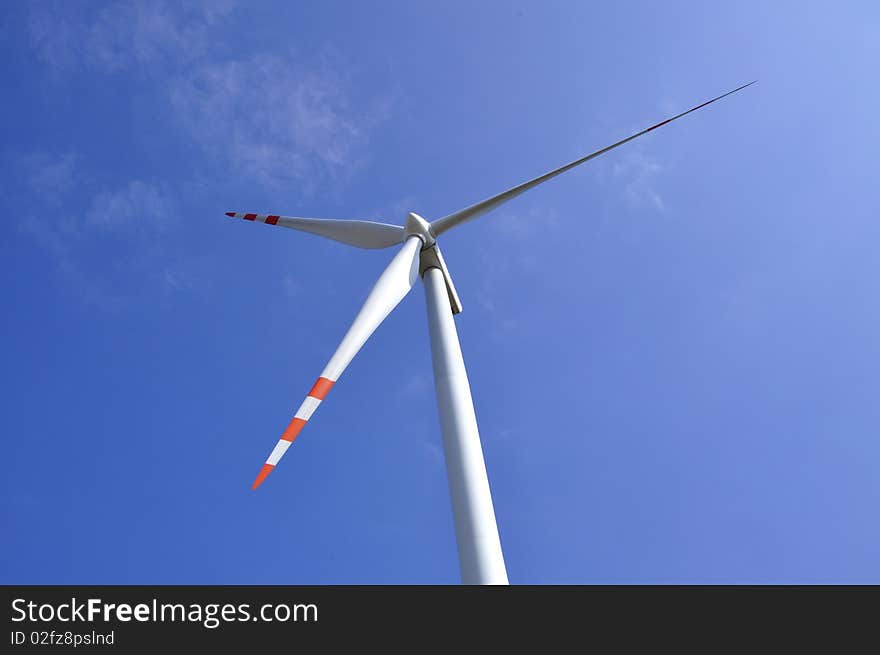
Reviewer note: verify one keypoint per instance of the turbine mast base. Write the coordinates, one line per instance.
(479, 547)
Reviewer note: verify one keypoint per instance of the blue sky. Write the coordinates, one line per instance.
(673, 349)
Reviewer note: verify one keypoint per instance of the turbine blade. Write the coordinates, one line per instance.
(363, 234)
(441, 225)
(391, 287)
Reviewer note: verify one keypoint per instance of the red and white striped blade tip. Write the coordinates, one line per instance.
(264, 473)
(231, 214)
(315, 397)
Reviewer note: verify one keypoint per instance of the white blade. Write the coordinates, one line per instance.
(363, 234)
(391, 287)
(441, 225)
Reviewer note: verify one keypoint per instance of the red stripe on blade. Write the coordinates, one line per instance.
(654, 127)
(264, 472)
(272, 220)
(321, 389)
(293, 429)
(250, 217)
(232, 214)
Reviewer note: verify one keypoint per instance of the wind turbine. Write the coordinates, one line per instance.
(479, 547)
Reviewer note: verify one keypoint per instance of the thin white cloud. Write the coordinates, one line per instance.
(116, 219)
(55, 41)
(638, 173)
(123, 34)
(433, 452)
(47, 181)
(139, 32)
(176, 280)
(396, 210)
(55, 236)
(136, 208)
(282, 121)
(277, 119)
(416, 385)
(50, 177)
(526, 224)
(519, 233)
(274, 121)
(632, 174)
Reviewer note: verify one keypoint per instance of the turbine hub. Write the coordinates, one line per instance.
(417, 226)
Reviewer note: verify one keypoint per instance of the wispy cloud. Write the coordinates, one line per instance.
(136, 208)
(115, 220)
(632, 174)
(396, 210)
(276, 118)
(50, 177)
(520, 235)
(123, 34)
(433, 452)
(47, 181)
(275, 121)
(638, 174)
(416, 385)
(526, 224)
(175, 281)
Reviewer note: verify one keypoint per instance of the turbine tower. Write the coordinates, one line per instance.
(479, 547)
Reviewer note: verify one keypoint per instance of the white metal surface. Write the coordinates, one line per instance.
(476, 531)
(391, 287)
(363, 234)
(395, 282)
(418, 226)
(308, 407)
(278, 452)
(441, 225)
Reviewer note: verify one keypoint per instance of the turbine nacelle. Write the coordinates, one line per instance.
(430, 256)
(417, 226)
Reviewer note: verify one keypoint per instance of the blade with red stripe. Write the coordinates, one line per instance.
(392, 286)
(363, 234)
(302, 416)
